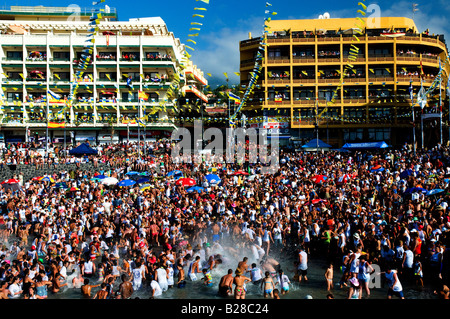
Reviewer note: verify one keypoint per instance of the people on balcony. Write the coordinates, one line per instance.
(334, 54)
(106, 56)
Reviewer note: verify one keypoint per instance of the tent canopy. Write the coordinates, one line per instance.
(365, 146)
(313, 144)
(83, 149)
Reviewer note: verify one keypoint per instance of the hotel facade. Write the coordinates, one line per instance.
(300, 87)
(41, 48)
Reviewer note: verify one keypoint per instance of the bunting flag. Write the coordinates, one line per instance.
(142, 96)
(233, 97)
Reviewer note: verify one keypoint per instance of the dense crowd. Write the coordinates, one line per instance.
(364, 214)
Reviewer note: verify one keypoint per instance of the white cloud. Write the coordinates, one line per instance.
(219, 51)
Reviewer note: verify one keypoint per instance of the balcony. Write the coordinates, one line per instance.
(193, 89)
(278, 60)
(381, 79)
(106, 80)
(250, 42)
(277, 81)
(59, 59)
(306, 59)
(15, 59)
(304, 81)
(353, 100)
(329, 80)
(278, 39)
(381, 58)
(304, 100)
(408, 57)
(104, 59)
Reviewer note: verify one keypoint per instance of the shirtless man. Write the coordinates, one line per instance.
(216, 235)
(86, 288)
(125, 288)
(181, 283)
(4, 292)
(226, 284)
(102, 293)
(239, 281)
(242, 265)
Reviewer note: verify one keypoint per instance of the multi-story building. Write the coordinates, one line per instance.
(40, 51)
(300, 85)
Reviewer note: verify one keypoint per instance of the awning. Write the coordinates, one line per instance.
(365, 146)
(17, 29)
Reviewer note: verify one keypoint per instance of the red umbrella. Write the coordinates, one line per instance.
(37, 178)
(186, 182)
(11, 181)
(241, 173)
(108, 33)
(74, 189)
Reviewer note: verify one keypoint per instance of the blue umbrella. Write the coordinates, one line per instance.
(415, 190)
(406, 173)
(195, 189)
(434, 191)
(131, 173)
(213, 178)
(100, 177)
(143, 180)
(378, 169)
(175, 172)
(61, 185)
(126, 182)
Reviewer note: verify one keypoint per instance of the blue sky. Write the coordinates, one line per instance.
(225, 23)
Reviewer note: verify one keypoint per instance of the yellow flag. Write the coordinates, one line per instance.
(226, 74)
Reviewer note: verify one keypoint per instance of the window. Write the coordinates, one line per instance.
(379, 134)
(14, 55)
(353, 135)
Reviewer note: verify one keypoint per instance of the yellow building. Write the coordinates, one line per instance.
(302, 81)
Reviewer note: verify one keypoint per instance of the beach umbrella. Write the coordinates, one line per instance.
(195, 189)
(434, 191)
(415, 190)
(110, 181)
(47, 179)
(175, 172)
(145, 187)
(100, 177)
(186, 182)
(143, 180)
(241, 173)
(319, 178)
(132, 173)
(406, 173)
(318, 200)
(11, 181)
(74, 189)
(61, 185)
(213, 178)
(126, 182)
(377, 168)
(37, 178)
(212, 169)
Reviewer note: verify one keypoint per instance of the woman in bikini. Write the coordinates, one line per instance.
(239, 281)
(268, 285)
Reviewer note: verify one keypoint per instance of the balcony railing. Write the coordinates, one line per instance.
(59, 59)
(380, 79)
(278, 59)
(12, 59)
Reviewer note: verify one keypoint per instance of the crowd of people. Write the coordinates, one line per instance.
(364, 215)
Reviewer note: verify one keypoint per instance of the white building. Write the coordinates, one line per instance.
(40, 51)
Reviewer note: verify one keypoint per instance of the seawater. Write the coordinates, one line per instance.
(315, 286)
